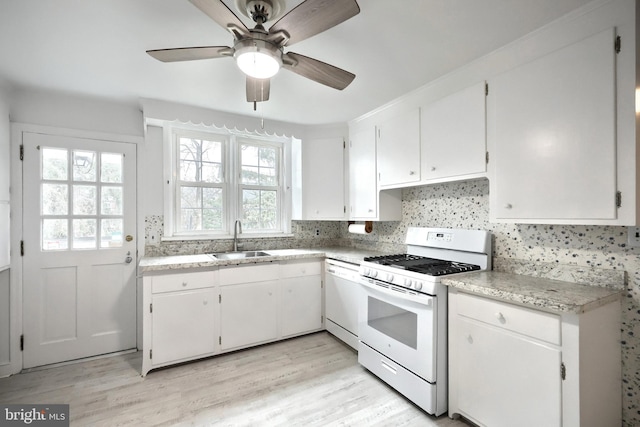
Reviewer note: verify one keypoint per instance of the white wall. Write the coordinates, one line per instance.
(67, 111)
(5, 294)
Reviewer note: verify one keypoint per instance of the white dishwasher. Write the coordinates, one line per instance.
(341, 300)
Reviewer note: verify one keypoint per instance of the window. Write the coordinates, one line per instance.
(259, 186)
(219, 177)
(81, 199)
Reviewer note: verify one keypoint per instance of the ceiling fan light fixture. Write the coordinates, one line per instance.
(258, 60)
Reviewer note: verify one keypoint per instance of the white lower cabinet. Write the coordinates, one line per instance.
(491, 361)
(179, 318)
(300, 297)
(248, 314)
(190, 315)
(182, 325)
(514, 365)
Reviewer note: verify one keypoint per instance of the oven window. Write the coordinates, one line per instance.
(393, 321)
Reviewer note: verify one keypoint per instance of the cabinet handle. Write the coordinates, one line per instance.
(433, 168)
(412, 172)
(470, 339)
(500, 317)
(370, 211)
(184, 284)
(508, 206)
(388, 367)
(205, 302)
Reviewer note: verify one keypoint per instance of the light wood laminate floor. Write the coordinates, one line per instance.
(313, 380)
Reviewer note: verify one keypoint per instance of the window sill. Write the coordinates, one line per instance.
(243, 236)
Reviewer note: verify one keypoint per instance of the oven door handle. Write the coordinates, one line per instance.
(422, 299)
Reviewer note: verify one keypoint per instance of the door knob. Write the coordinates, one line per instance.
(128, 237)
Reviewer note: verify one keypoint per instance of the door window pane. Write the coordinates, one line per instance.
(55, 199)
(55, 164)
(84, 234)
(393, 321)
(84, 200)
(84, 166)
(55, 234)
(111, 201)
(111, 233)
(111, 167)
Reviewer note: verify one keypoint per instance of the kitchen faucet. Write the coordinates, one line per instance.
(237, 229)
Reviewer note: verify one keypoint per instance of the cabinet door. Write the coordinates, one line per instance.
(363, 195)
(505, 379)
(183, 325)
(398, 150)
(301, 309)
(323, 179)
(248, 314)
(552, 123)
(454, 135)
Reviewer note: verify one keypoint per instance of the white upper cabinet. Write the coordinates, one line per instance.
(321, 194)
(552, 126)
(453, 135)
(363, 195)
(365, 201)
(398, 150)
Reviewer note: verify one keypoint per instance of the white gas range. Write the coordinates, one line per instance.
(403, 310)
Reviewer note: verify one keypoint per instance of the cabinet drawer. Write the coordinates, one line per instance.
(182, 281)
(532, 323)
(300, 268)
(248, 273)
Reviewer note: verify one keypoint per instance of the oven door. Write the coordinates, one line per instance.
(401, 325)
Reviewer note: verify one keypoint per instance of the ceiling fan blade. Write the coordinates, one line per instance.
(190, 53)
(219, 12)
(317, 71)
(314, 16)
(257, 89)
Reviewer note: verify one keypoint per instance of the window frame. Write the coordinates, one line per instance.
(232, 195)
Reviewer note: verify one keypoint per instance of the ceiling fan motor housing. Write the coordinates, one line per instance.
(261, 11)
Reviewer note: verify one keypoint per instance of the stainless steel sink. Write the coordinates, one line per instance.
(240, 255)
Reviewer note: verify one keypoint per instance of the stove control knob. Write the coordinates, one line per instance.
(366, 271)
(408, 283)
(418, 286)
(389, 277)
(374, 273)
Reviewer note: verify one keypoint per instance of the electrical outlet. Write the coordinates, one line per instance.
(633, 237)
(317, 232)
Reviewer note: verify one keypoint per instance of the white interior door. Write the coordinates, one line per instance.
(79, 248)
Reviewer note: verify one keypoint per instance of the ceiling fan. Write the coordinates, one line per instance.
(259, 53)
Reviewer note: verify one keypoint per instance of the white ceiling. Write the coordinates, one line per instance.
(97, 48)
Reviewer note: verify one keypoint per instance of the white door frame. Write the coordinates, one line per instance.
(16, 274)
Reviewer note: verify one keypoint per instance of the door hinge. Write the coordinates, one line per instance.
(486, 157)
(345, 208)
(344, 144)
(618, 199)
(150, 354)
(220, 339)
(21, 151)
(321, 284)
(150, 308)
(563, 371)
(321, 319)
(21, 247)
(22, 342)
(219, 298)
(486, 89)
(618, 44)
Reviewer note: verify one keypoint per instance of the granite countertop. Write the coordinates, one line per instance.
(179, 262)
(542, 293)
